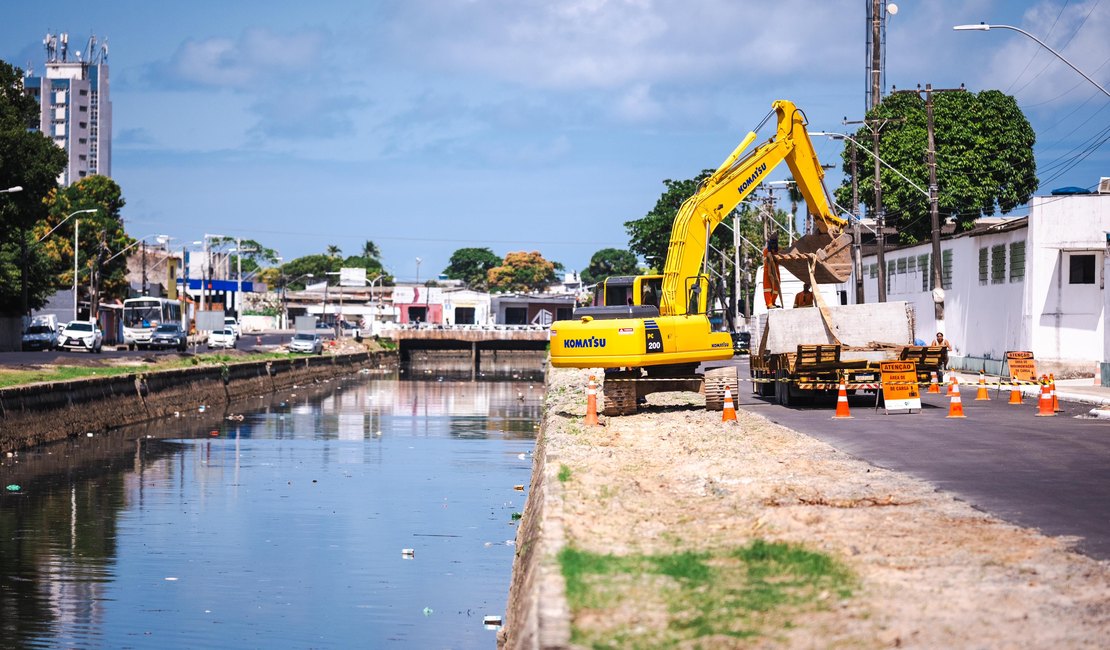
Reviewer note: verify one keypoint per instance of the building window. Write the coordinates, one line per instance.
(1081, 268)
(872, 271)
(516, 316)
(890, 268)
(1017, 261)
(946, 269)
(926, 277)
(998, 264)
(464, 316)
(983, 258)
(901, 265)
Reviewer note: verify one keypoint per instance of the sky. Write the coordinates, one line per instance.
(431, 125)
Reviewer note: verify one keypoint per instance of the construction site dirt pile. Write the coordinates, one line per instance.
(932, 571)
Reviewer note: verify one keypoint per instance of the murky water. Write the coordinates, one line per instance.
(284, 528)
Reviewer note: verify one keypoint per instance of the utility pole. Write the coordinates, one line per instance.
(857, 242)
(875, 125)
(143, 292)
(876, 59)
(934, 197)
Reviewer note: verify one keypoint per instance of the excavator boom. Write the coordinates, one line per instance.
(736, 178)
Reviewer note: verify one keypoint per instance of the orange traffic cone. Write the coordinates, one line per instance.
(956, 405)
(842, 411)
(949, 380)
(1044, 405)
(1052, 390)
(1015, 392)
(591, 402)
(729, 412)
(934, 387)
(982, 394)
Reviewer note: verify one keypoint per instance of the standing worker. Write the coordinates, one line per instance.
(940, 341)
(804, 298)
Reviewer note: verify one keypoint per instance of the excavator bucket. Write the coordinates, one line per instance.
(832, 257)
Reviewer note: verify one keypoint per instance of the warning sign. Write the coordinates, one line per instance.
(900, 390)
(1022, 366)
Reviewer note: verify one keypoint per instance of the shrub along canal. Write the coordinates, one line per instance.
(281, 523)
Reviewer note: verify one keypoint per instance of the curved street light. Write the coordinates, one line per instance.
(984, 27)
(17, 188)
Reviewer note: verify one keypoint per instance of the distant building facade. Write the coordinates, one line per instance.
(75, 106)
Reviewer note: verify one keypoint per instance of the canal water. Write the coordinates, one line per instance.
(374, 511)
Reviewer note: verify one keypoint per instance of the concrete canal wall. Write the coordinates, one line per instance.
(536, 614)
(39, 413)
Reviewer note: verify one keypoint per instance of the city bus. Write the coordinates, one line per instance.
(142, 315)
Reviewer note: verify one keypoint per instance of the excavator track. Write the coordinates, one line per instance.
(716, 380)
(619, 393)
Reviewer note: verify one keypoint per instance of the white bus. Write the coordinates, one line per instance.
(142, 315)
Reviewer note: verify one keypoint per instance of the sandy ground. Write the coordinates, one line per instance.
(933, 572)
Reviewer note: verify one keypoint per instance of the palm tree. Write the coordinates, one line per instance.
(333, 251)
(370, 250)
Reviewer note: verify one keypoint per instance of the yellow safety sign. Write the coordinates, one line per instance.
(1022, 366)
(900, 390)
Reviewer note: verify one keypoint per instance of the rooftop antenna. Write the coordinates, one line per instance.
(65, 46)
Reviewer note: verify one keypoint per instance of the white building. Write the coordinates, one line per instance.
(75, 106)
(1034, 283)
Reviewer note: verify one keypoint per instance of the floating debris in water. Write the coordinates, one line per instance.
(200, 408)
(519, 487)
(492, 622)
(428, 611)
(408, 552)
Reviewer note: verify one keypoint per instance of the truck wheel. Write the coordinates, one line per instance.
(782, 388)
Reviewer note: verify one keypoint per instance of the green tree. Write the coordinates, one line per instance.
(472, 265)
(102, 245)
(254, 253)
(30, 160)
(318, 265)
(607, 262)
(333, 251)
(650, 235)
(522, 271)
(984, 151)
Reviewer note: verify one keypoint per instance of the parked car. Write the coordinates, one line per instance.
(233, 325)
(169, 335)
(81, 335)
(39, 337)
(307, 343)
(224, 338)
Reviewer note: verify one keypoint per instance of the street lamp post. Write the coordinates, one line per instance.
(418, 261)
(76, 231)
(984, 27)
(11, 190)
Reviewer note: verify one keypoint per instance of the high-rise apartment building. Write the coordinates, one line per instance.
(75, 107)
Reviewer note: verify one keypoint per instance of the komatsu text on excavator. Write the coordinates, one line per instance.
(651, 333)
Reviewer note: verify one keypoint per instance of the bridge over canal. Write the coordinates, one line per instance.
(474, 340)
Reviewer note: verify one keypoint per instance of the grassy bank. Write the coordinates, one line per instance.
(61, 372)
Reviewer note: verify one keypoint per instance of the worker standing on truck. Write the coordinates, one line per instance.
(804, 298)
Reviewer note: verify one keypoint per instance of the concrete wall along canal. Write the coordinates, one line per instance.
(39, 413)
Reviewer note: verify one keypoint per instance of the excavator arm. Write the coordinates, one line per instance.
(824, 254)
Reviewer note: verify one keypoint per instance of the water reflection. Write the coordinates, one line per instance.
(278, 523)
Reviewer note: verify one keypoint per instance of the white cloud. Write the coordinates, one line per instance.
(257, 54)
(625, 43)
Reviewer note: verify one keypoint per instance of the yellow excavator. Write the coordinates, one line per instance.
(651, 333)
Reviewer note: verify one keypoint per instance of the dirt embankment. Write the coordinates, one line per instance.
(929, 571)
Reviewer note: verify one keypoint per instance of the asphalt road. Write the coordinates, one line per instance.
(247, 342)
(1049, 473)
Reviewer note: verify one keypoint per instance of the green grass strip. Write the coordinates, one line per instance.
(754, 591)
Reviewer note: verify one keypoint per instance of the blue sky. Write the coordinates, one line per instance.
(430, 125)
